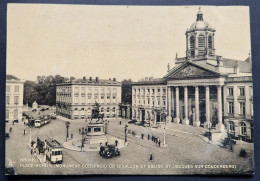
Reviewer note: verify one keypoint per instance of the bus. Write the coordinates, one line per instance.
(52, 148)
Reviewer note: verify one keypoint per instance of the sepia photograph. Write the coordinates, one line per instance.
(128, 90)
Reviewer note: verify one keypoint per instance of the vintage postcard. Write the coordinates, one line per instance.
(142, 90)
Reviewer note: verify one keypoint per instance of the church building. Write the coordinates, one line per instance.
(202, 89)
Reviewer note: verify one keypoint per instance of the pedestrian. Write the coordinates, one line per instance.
(120, 122)
(142, 136)
(151, 157)
(24, 123)
(13, 122)
(31, 151)
(24, 132)
(79, 130)
(148, 137)
(159, 143)
(209, 135)
(116, 142)
(152, 137)
(106, 143)
(10, 129)
(71, 136)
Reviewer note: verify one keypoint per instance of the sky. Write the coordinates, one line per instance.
(113, 41)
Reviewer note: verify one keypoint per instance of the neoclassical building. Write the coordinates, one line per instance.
(202, 89)
(75, 98)
(14, 99)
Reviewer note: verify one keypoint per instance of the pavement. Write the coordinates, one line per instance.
(184, 148)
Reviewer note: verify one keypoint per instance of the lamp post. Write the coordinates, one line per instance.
(164, 141)
(126, 134)
(83, 139)
(67, 127)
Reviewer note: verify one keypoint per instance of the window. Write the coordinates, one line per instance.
(231, 107)
(16, 99)
(8, 88)
(192, 45)
(158, 103)
(153, 103)
(230, 91)
(241, 91)
(15, 114)
(231, 126)
(242, 128)
(108, 109)
(114, 109)
(97, 129)
(7, 114)
(114, 97)
(210, 42)
(164, 91)
(164, 103)
(108, 97)
(148, 101)
(159, 90)
(148, 91)
(16, 88)
(89, 96)
(242, 108)
(7, 99)
(152, 91)
(102, 97)
(102, 109)
(201, 44)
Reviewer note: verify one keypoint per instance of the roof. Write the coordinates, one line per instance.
(11, 77)
(92, 81)
(151, 81)
(244, 66)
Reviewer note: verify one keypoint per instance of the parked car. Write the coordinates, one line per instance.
(132, 121)
(53, 116)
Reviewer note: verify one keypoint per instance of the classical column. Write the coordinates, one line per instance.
(186, 120)
(197, 112)
(169, 101)
(177, 116)
(220, 125)
(207, 123)
(150, 97)
(172, 101)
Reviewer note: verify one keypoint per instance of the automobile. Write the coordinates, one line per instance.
(42, 109)
(132, 121)
(53, 116)
(109, 151)
(34, 110)
(45, 117)
(7, 136)
(16, 121)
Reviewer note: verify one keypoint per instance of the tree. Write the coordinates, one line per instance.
(43, 90)
(127, 91)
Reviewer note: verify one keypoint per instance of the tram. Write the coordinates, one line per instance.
(52, 149)
(38, 123)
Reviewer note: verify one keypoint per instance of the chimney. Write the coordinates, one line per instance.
(90, 79)
(97, 79)
(114, 79)
(84, 78)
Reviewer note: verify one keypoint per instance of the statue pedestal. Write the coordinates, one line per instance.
(96, 133)
(196, 123)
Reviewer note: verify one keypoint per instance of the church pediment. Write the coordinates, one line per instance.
(191, 70)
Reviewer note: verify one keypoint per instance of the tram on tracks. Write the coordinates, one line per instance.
(39, 122)
(51, 147)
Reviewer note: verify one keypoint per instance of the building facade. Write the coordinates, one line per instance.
(14, 99)
(202, 89)
(75, 99)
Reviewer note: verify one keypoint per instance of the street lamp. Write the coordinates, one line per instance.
(164, 141)
(126, 134)
(83, 139)
(67, 127)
